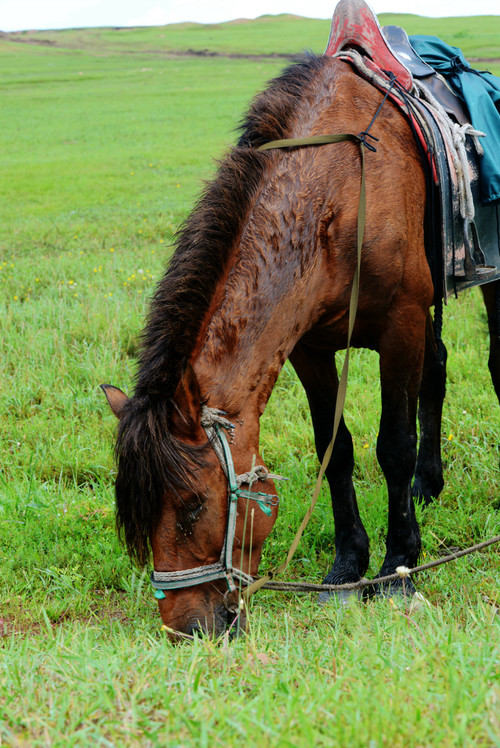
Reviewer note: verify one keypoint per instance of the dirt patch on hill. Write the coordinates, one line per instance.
(33, 37)
(485, 60)
(228, 55)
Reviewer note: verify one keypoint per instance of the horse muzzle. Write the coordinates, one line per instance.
(226, 619)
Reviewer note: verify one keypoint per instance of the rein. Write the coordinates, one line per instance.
(353, 307)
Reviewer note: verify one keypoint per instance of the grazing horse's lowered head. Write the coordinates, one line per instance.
(262, 272)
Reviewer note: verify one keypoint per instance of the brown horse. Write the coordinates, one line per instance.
(262, 273)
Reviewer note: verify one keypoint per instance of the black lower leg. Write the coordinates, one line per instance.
(491, 296)
(428, 481)
(396, 452)
(318, 375)
(403, 536)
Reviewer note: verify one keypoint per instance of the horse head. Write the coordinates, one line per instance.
(205, 528)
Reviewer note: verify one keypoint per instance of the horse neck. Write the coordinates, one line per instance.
(284, 270)
(268, 299)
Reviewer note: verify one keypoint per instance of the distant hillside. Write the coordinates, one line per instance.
(281, 35)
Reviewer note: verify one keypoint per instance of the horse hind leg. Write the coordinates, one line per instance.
(316, 370)
(428, 480)
(491, 297)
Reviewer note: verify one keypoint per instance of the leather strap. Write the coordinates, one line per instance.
(353, 306)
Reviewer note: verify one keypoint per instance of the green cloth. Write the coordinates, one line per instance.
(481, 93)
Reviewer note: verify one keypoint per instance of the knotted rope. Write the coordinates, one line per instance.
(212, 416)
(454, 135)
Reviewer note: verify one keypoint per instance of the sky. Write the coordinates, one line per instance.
(17, 15)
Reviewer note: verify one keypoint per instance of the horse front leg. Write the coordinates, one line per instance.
(318, 375)
(401, 362)
(428, 481)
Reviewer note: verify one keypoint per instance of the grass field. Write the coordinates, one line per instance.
(106, 138)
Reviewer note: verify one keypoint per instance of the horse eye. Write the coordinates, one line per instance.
(195, 513)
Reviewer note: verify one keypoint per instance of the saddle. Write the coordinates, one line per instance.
(466, 250)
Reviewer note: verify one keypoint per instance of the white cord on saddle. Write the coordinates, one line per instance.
(455, 135)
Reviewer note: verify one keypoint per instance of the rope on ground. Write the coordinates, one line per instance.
(401, 573)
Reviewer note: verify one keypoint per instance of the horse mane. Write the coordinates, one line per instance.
(150, 458)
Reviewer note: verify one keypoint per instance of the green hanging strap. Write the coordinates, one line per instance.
(353, 306)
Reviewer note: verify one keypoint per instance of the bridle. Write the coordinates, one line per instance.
(215, 426)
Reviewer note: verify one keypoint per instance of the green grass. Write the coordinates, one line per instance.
(104, 148)
(377, 677)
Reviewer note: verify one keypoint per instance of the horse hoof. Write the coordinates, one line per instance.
(426, 490)
(342, 598)
(399, 590)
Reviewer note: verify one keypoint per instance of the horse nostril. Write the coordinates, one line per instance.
(195, 629)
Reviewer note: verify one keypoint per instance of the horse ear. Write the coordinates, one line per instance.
(116, 398)
(187, 401)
